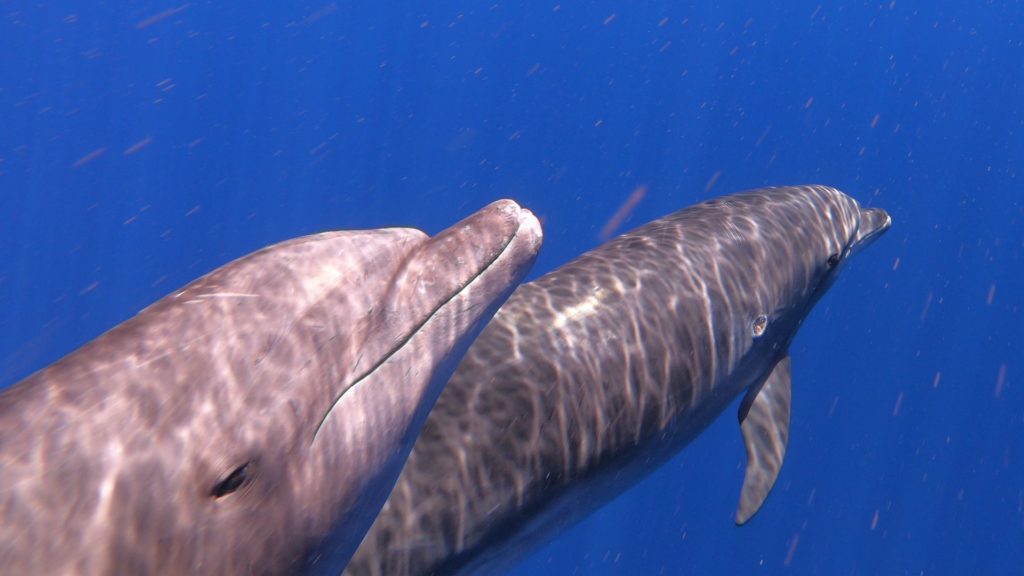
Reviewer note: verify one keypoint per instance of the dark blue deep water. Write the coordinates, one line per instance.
(144, 143)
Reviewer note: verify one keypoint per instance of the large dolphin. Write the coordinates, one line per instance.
(254, 421)
(594, 375)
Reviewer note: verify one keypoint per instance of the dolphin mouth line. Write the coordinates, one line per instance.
(488, 265)
(874, 222)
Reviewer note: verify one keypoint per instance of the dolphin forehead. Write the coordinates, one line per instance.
(305, 269)
(760, 253)
(792, 225)
(765, 228)
(843, 220)
(814, 212)
(284, 281)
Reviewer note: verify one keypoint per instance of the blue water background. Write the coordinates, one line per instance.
(145, 143)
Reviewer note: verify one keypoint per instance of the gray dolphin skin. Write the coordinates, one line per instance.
(594, 375)
(254, 421)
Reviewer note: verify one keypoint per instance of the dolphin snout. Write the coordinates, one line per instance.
(873, 223)
(502, 233)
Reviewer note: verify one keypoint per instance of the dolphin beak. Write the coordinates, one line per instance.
(873, 223)
(493, 247)
(444, 292)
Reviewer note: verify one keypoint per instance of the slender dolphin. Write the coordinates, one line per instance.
(255, 421)
(594, 375)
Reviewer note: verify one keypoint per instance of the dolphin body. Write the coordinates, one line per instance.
(255, 421)
(594, 375)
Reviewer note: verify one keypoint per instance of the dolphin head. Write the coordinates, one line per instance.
(820, 229)
(774, 254)
(254, 421)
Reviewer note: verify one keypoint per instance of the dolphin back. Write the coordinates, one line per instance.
(592, 376)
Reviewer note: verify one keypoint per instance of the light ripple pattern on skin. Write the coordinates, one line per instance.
(593, 375)
(254, 421)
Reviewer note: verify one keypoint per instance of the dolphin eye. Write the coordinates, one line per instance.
(758, 326)
(833, 260)
(232, 482)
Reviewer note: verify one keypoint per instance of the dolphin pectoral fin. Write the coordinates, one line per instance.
(764, 421)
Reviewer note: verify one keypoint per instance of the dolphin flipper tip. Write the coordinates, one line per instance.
(765, 427)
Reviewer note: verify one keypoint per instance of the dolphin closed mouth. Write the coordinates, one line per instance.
(873, 223)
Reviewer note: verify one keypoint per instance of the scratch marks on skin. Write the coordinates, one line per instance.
(142, 362)
(146, 361)
(217, 295)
